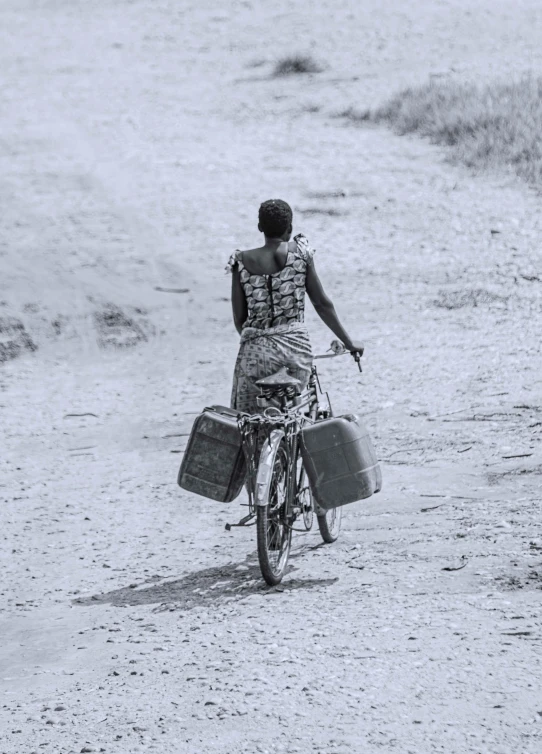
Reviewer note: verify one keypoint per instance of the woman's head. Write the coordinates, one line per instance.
(275, 218)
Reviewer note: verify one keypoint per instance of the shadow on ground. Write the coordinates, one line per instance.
(219, 584)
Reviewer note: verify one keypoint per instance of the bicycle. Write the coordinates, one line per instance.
(277, 484)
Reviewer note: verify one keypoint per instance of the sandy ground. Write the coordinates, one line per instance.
(137, 140)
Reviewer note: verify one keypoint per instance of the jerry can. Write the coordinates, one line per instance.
(340, 461)
(214, 464)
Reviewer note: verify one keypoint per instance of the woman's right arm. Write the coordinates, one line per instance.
(326, 311)
(238, 300)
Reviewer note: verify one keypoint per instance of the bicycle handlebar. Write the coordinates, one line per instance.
(339, 350)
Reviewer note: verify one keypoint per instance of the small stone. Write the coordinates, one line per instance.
(212, 700)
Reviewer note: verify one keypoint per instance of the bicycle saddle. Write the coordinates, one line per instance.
(280, 379)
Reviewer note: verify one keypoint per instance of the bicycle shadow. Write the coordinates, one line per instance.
(209, 586)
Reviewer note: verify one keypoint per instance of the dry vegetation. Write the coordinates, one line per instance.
(296, 64)
(498, 125)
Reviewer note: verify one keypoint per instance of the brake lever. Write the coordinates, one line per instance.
(357, 359)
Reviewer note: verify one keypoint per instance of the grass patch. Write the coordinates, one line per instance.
(14, 340)
(462, 299)
(257, 63)
(494, 126)
(296, 64)
(311, 108)
(329, 211)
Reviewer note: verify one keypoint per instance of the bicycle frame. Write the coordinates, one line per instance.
(278, 488)
(284, 425)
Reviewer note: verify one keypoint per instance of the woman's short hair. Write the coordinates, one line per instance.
(275, 217)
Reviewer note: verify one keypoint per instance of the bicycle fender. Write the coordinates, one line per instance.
(265, 466)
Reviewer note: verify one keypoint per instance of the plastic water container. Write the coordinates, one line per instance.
(214, 464)
(340, 461)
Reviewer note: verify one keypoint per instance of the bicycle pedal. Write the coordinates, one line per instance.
(243, 522)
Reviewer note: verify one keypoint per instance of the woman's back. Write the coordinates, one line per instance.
(274, 283)
(262, 261)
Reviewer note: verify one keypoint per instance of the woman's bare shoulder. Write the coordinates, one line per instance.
(249, 253)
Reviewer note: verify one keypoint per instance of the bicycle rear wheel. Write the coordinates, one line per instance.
(274, 534)
(330, 524)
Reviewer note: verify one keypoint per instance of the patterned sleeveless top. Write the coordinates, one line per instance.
(279, 298)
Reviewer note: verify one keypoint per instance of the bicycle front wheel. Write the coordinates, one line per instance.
(274, 534)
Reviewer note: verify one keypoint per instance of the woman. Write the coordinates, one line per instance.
(268, 301)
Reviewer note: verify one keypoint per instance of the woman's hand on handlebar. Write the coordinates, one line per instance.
(355, 347)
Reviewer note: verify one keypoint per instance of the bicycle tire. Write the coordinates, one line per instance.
(303, 495)
(329, 524)
(273, 532)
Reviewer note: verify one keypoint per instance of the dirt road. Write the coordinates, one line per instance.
(140, 139)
